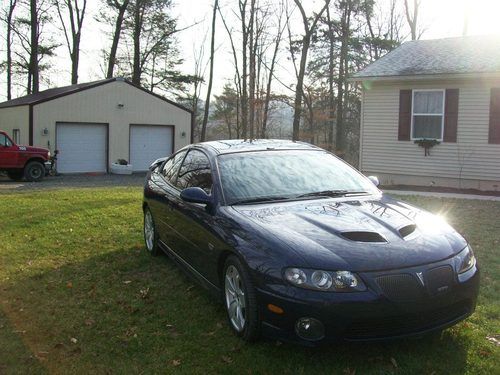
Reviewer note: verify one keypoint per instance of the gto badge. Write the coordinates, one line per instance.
(420, 276)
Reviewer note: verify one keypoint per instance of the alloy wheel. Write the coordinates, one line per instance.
(149, 230)
(235, 298)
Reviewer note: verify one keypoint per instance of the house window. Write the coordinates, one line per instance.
(427, 119)
(16, 136)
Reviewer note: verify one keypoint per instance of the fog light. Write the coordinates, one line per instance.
(310, 329)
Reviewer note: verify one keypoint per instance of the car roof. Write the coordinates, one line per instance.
(242, 145)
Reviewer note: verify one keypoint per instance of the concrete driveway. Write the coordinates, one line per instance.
(70, 181)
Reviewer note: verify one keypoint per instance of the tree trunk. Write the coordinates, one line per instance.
(34, 87)
(331, 92)
(341, 133)
(12, 6)
(244, 88)
(210, 79)
(297, 105)
(116, 38)
(251, 80)
(136, 73)
(306, 41)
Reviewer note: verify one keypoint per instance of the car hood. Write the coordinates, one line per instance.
(357, 234)
(31, 149)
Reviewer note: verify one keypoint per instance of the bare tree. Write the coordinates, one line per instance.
(33, 68)
(252, 53)
(121, 9)
(277, 41)
(32, 46)
(72, 29)
(244, 88)
(211, 74)
(9, 19)
(412, 18)
(309, 28)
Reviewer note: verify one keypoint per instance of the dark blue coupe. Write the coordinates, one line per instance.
(302, 247)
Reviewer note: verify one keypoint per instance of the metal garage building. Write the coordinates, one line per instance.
(94, 124)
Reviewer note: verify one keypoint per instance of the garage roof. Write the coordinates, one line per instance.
(57, 92)
(471, 54)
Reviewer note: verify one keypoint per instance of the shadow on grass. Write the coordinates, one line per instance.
(127, 312)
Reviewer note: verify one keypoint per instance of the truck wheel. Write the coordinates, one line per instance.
(34, 171)
(15, 175)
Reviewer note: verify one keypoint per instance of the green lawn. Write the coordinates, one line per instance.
(79, 294)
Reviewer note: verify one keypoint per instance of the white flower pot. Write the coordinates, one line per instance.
(121, 169)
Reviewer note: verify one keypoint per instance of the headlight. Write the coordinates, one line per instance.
(333, 281)
(465, 260)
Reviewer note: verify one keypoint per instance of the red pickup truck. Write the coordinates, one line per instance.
(22, 161)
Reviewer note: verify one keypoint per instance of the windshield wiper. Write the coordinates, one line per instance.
(332, 193)
(260, 199)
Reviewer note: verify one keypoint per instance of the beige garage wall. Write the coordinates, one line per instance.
(16, 118)
(101, 105)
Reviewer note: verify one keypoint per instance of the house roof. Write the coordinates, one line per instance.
(471, 54)
(57, 92)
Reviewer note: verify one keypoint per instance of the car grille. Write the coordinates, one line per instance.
(439, 280)
(401, 287)
(389, 326)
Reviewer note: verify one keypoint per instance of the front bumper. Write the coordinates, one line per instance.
(374, 314)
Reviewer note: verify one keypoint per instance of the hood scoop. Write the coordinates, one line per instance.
(407, 230)
(364, 236)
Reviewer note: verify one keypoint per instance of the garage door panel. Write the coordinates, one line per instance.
(148, 143)
(82, 147)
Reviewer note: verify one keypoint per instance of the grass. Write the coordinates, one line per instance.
(79, 294)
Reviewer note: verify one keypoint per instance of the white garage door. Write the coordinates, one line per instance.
(82, 147)
(148, 143)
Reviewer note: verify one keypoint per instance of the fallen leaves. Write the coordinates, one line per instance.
(394, 363)
(69, 285)
(494, 339)
(89, 322)
(226, 359)
(176, 362)
(144, 293)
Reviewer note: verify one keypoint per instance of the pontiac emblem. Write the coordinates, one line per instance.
(420, 276)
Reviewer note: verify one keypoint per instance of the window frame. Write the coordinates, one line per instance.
(209, 166)
(16, 133)
(413, 114)
(172, 184)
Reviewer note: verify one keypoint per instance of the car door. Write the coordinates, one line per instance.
(162, 207)
(8, 152)
(194, 222)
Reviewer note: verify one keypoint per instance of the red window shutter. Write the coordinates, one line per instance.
(450, 115)
(404, 115)
(494, 133)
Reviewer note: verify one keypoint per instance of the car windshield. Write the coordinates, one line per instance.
(279, 175)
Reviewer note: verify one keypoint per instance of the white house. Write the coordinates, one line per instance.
(446, 90)
(94, 124)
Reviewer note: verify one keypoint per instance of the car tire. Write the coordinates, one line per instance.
(15, 175)
(239, 294)
(150, 233)
(34, 171)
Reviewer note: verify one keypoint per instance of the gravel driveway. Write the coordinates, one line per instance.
(73, 181)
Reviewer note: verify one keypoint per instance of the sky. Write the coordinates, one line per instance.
(440, 18)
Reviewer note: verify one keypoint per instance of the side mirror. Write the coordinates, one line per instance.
(374, 180)
(195, 195)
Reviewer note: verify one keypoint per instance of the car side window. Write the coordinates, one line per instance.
(171, 167)
(4, 141)
(195, 172)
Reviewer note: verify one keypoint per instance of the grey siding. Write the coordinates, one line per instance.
(471, 158)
